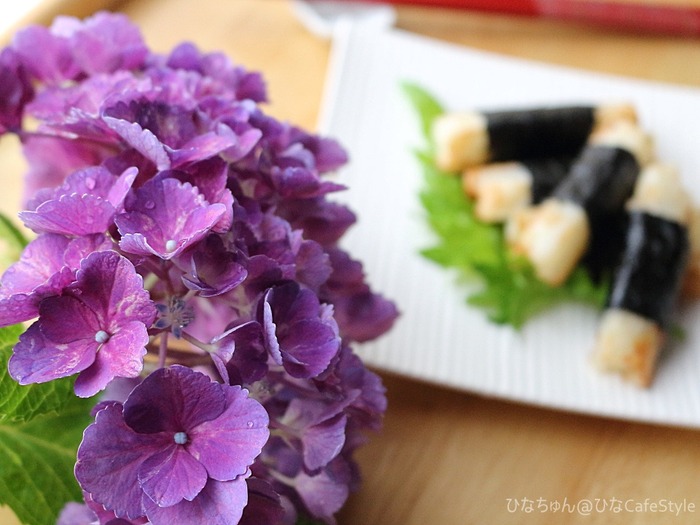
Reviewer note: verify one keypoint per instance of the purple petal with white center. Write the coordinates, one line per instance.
(97, 327)
(219, 503)
(166, 217)
(173, 399)
(171, 476)
(121, 356)
(227, 445)
(36, 359)
(109, 459)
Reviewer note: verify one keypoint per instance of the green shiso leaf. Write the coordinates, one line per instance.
(502, 285)
(12, 242)
(39, 436)
(427, 106)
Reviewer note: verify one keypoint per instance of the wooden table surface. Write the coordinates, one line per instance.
(445, 457)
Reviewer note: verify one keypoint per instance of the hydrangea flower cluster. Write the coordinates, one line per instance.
(186, 267)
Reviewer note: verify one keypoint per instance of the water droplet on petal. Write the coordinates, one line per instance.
(249, 424)
(90, 183)
(149, 205)
(170, 245)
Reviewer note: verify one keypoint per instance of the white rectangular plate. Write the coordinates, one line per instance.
(438, 337)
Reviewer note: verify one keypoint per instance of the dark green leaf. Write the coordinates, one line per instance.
(37, 455)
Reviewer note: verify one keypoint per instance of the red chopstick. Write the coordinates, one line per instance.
(639, 16)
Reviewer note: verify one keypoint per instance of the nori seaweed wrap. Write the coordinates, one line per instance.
(601, 179)
(546, 173)
(543, 132)
(652, 268)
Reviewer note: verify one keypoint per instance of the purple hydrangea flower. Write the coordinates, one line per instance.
(177, 451)
(84, 204)
(299, 332)
(97, 327)
(215, 270)
(166, 217)
(182, 227)
(15, 90)
(47, 265)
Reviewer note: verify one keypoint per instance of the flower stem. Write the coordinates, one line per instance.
(162, 349)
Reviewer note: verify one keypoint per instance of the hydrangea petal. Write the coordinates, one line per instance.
(142, 140)
(308, 348)
(66, 319)
(173, 399)
(264, 506)
(203, 147)
(323, 442)
(107, 42)
(167, 217)
(227, 445)
(70, 215)
(109, 459)
(121, 356)
(15, 90)
(219, 503)
(324, 494)
(171, 476)
(47, 56)
(109, 284)
(41, 259)
(37, 360)
(48, 265)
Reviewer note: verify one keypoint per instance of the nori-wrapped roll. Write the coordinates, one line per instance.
(471, 138)
(501, 188)
(651, 271)
(556, 234)
(647, 281)
(537, 133)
